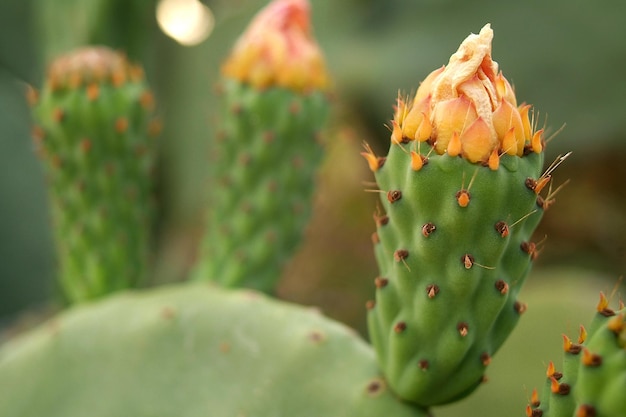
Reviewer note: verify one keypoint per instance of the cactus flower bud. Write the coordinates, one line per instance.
(468, 108)
(278, 49)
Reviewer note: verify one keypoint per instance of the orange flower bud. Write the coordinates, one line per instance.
(278, 49)
(471, 99)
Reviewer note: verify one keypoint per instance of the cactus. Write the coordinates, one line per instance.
(462, 192)
(460, 200)
(193, 350)
(94, 129)
(593, 379)
(267, 151)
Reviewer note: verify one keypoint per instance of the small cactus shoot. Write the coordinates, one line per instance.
(265, 154)
(94, 129)
(460, 198)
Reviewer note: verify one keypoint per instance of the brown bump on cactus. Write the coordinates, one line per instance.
(317, 337)
(432, 290)
(375, 387)
(463, 198)
(519, 307)
(467, 260)
(586, 410)
(560, 389)
(381, 219)
(244, 159)
(168, 313)
(381, 282)
(58, 114)
(225, 347)
(570, 347)
(121, 124)
(147, 100)
(400, 255)
(370, 304)
(502, 228)
(428, 229)
(85, 145)
(533, 412)
(375, 238)
(93, 91)
(485, 359)
(399, 327)
(463, 329)
(529, 248)
(423, 364)
(502, 286)
(394, 195)
(155, 126)
(484, 379)
(268, 137)
(591, 359)
(531, 184)
(603, 306)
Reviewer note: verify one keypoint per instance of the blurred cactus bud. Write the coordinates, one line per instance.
(278, 49)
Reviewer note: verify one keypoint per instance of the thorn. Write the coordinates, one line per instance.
(485, 359)
(535, 143)
(432, 290)
(582, 335)
(454, 146)
(603, 306)
(591, 359)
(494, 160)
(570, 347)
(374, 162)
(534, 398)
(524, 217)
(417, 161)
(616, 324)
(551, 370)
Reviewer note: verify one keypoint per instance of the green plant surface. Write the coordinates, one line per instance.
(193, 350)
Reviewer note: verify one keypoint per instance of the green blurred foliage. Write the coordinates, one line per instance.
(565, 57)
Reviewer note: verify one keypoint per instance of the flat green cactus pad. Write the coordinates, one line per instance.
(193, 350)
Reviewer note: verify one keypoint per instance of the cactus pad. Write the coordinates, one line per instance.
(193, 350)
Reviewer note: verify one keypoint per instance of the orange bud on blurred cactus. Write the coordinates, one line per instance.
(278, 49)
(471, 101)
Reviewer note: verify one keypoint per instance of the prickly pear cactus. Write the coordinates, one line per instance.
(193, 350)
(94, 131)
(592, 382)
(459, 202)
(267, 150)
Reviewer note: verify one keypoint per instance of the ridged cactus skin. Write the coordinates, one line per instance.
(446, 305)
(592, 381)
(264, 164)
(193, 350)
(453, 238)
(267, 149)
(94, 128)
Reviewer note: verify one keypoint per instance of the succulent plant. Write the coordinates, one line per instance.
(266, 152)
(94, 130)
(459, 203)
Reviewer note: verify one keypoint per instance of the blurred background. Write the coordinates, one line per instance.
(567, 58)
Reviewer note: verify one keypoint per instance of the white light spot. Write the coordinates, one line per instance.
(188, 22)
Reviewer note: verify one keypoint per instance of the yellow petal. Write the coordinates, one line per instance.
(451, 116)
(478, 141)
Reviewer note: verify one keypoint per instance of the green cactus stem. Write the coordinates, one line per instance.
(193, 350)
(459, 202)
(94, 131)
(593, 380)
(267, 150)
